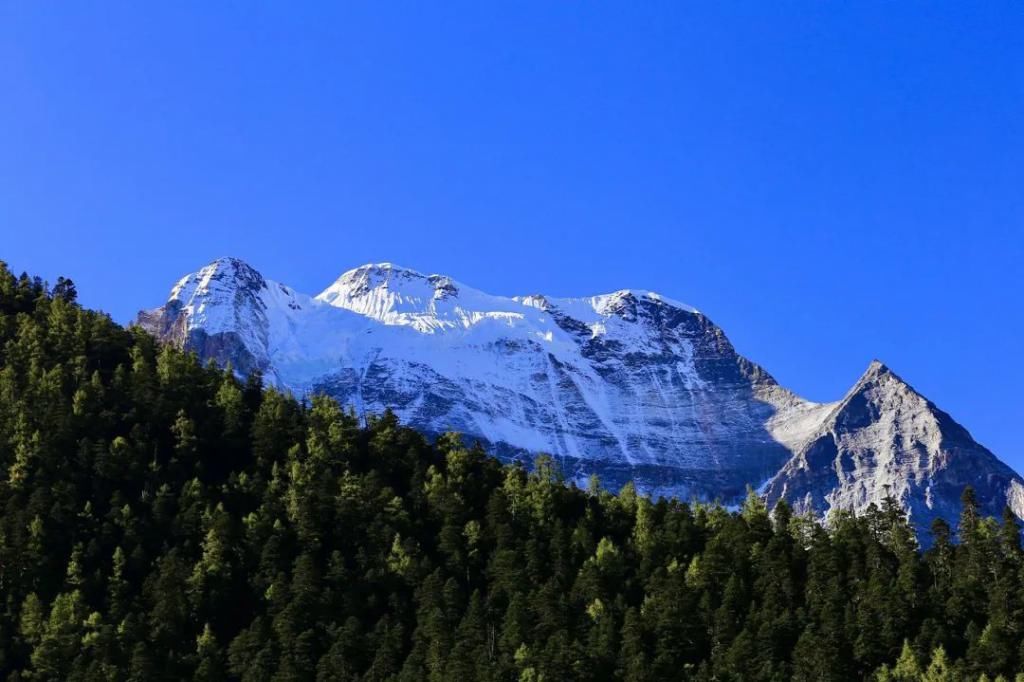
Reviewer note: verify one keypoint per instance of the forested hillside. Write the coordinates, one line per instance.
(162, 520)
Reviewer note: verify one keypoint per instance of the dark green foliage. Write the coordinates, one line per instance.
(162, 520)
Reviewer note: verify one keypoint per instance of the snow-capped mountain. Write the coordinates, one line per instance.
(630, 385)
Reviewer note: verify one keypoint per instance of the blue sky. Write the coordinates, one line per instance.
(830, 182)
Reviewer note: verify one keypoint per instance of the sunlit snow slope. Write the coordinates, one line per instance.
(629, 385)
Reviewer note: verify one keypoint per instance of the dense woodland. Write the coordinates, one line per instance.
(166, 521)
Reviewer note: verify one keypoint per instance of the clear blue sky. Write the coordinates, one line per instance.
(830, 182)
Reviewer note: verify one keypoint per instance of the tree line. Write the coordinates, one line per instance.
(164, 520)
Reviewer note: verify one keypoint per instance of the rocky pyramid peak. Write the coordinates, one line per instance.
(884, 438)
(878, 373)
(880, 391)
(875, 369)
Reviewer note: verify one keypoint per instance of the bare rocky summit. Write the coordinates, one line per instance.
(884, 438)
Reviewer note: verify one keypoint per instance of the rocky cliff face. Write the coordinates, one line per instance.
(630, 385)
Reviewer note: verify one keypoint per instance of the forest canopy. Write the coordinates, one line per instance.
(163, 520)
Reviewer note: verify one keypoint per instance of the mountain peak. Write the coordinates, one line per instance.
(384, 270)
(644, 294)
(229, 267)
(878, 391)
(878, 379)
(230, 262)
(877, 366)
(390, 293)
(220, 275)
(383, 267)
(884, 438)
(373, 276)
(876, 369)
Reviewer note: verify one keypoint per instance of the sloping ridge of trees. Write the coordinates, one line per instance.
(162, 520)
